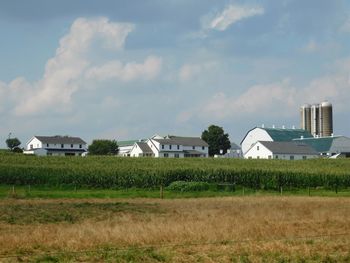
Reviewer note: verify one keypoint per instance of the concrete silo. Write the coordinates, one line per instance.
(326, 119)
(315, 120)
(305, 117)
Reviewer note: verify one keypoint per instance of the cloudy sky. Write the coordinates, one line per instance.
(130, 69)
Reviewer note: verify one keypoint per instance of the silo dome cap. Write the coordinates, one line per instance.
(306, 105)
(326, 104)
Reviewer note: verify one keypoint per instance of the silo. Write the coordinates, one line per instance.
(326, 119)
(315, 120)
(305, 117)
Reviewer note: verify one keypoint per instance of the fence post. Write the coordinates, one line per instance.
(243, 190)
(161, 192)
(281, 190)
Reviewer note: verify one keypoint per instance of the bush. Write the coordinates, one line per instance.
(183, 186)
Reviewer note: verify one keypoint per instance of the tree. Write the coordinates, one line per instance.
(217, 139)
(103, 147)
(13, 143)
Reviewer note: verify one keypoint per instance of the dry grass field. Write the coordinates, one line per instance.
(228, 229)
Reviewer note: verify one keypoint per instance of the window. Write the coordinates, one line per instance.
(304, 157)
(62, 145)
(71, 146)
(291, 157)
(80, 146)
(203, 147)
(170, 147)
(47, 145)
(163, 146)
(193, 147)
(270, 157)
(177, 155)
(258, 157)
(166, 155)
(31, 146)
(257, 148)
(276, 156)
(178, 147)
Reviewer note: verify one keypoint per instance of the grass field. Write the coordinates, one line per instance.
(226, 229)
(32, 192)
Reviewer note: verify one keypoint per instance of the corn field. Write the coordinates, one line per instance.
(116, 172)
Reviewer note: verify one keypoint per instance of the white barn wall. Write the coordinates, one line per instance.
(256, 134)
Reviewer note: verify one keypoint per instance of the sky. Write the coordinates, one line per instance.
(113, 69)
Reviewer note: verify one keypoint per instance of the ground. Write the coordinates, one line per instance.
(225, 229)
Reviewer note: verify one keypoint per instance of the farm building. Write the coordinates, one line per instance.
(125, 147)
(169, 146)
(281, 150)
(56, 145)
(271, 134)
(329, 146)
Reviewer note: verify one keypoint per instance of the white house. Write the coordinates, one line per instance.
(141, 149)
(170, 147)
(271, 134)
(125, 147)
(281, 150)
(56, 145)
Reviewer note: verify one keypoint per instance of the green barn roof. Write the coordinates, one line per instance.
(286, 135)
(322, 144)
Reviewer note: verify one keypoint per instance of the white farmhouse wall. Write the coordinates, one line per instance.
(154, 145)
(253, 136)
(136, 151)
(34, 143)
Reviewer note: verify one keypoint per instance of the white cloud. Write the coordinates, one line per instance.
(280, 99)
(128, 72)
(258, 99)
(190, 71)
(62, 71)
(71, 68)
(232, 14)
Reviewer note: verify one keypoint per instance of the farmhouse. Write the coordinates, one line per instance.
(167, 147)
(281, 150)
(271, 134)
(56, 145)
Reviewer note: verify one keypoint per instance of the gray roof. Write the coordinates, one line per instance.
(60, 139)
(235, 146)
(332, 144)
(144, 147)
(289, 148)
(185, 141)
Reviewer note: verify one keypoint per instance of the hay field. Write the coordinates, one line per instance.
(228, 229)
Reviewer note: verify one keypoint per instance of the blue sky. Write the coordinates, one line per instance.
(130, 69)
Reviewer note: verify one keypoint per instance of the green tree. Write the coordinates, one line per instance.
(103, 147)
(13, 143)
(217, 139)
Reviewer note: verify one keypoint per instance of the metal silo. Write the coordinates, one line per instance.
(315, 120)
(326, 119)
(305, 117)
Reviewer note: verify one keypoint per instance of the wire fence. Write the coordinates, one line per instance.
(172, 245)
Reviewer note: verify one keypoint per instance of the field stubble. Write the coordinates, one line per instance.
(207, 229)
